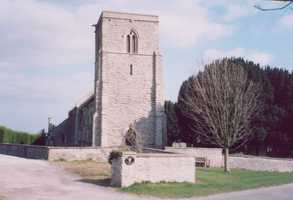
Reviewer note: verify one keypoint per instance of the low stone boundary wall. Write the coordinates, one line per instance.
(57, 153)
(80, 153)
(261, 163)
(132, 168)
(26, 151)
(213, 154)
(97, 153)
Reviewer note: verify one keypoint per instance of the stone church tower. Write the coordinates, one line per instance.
(128, 79)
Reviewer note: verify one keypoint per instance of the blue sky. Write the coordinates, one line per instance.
(47, 61)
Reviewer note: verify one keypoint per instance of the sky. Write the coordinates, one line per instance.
(47, 48)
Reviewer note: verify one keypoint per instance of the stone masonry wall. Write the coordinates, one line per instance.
(127, 100)
(76, 130)
(153, 167)
(25, 151)
(83, 153)
(261, 164)
(57, 153)
(213, 154)
(124, 98)
(84, 122)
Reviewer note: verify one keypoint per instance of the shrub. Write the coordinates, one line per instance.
(114, 155)
(16, 137)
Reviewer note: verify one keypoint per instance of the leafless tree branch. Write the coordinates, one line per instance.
(287, 4)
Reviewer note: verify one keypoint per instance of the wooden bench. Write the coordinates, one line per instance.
(202, 162)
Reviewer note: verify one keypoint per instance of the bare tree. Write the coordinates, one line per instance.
(221, 104)
(286, 4)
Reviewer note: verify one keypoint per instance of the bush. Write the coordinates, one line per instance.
(16, 137)
(114, 155)
(1, 135)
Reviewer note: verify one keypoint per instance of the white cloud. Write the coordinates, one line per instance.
(45, 88)
(257, 56)
(40, 34)
(232, 10)
(287, 21)
(40, 39)
(40, 96)
(235, 11)
(37, 34)
(181, 24)
(186, 24)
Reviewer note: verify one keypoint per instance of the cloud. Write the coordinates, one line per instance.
(236, 11)
(46, 57)
(45, 88)
(287, 21)
(32, 99)
(232, 10)
(257, 56)
(181, 24)
(47, 47)
(185, 31)
(38, 35)
(43, 34)
(188, 24)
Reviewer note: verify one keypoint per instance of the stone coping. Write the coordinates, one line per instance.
(153, 150)
(166, 154)
(126, 15)
(59, 147)
(87, 147)
(190, 148)
(25, 145)
(163, 155)
(260, 157)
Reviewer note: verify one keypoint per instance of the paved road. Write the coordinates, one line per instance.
(25, 179)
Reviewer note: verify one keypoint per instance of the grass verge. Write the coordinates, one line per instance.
(88, 169)
(212, 181)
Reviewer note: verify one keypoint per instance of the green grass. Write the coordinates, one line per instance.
(212, 181)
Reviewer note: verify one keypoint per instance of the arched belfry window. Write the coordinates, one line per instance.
(132, 42)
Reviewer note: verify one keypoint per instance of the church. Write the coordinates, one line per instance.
(128, 87)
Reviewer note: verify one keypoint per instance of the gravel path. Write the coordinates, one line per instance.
(25, 179)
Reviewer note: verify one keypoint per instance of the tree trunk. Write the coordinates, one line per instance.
(226, 156)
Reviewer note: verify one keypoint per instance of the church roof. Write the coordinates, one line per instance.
(85, 99)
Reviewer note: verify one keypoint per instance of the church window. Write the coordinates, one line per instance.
(131, 69)
(132, 42)
(128, 43)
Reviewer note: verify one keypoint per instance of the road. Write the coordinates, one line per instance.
(26, 179)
